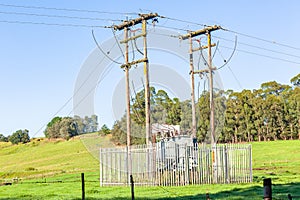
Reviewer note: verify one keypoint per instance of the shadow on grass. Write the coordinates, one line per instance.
(280, 191)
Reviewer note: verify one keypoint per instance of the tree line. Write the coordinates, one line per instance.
(271, 112)
(58, 127)
(68, 127)
(20, 136)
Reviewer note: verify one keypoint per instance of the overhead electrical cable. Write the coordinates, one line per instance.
(105, 54)
(258, 47)
(135, 44)
(262, 39)
(58, 16)
(174, 28)
(68, 9)
(183, 21)
(263, 55)
(236, 32)
(120, 48)
(53, 24)
(228, 60)
(234, 76)
(78, 89)
(132, 47)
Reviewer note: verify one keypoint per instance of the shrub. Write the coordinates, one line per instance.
(20, 136)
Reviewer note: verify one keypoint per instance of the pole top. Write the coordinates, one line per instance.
(200, 32)
(138, 20)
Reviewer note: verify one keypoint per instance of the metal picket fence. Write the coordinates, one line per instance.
(172, 164)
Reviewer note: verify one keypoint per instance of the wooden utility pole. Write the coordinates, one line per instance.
(128, 122)
(147, 87)
(192, 88)
(211, 91)
(190, 35)
(125, 25)
(210, 69)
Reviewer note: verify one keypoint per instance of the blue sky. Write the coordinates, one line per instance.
(39, 64)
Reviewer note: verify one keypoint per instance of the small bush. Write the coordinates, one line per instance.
(20, 136)
(30, 169)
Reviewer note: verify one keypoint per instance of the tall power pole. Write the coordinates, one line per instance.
(211, 91)
(147, 87)
(126, 25)
(190, 35)
(192, 88)
(128, 119)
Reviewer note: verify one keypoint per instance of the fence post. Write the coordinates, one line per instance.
(101, 167)
(132, 187)
(267, 189)
(250, 163)
(82, 186)
(186, 164)
(225, 150)
(207, 196)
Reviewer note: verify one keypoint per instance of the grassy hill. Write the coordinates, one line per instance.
(43, 157)
(51, 170)
(279, 160)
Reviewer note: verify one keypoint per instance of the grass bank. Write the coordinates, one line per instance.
(51, 170)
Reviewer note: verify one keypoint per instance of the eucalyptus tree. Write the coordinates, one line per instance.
(203, 122)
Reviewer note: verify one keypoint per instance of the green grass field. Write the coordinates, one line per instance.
(51, 170)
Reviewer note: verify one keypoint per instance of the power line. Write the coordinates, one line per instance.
(83, 83)
(166, 35)
(258, 47)
(118, 43)
(56, 16)
(239, 33)
(67, 9)
(174, 28)
(53, 24)
(183, 21)
(262, 39)
(95, 40)
(228, 60)
(236, 79)
(262, 55)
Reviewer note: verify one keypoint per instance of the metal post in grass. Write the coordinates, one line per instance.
(82, 186)
(132, 187)
(267, 189)
(225, 151)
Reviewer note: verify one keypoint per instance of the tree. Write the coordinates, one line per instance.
(296, 80)
(203, 123)
(293, 107)
(257, 116)
(52, 128)
(81, 127)
(186, 116)
(3, 138)
(61, 128)
(271, 112)
(20, 136)
(118, 134)
(104, 130)
(67, 128)
(163, 108)
(93, 123)
(86, 124)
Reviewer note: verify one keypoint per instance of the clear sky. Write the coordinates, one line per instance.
(40, 63)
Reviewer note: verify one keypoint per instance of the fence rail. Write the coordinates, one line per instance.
(172, 164)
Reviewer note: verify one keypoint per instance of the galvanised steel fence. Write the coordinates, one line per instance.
(173, 164)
